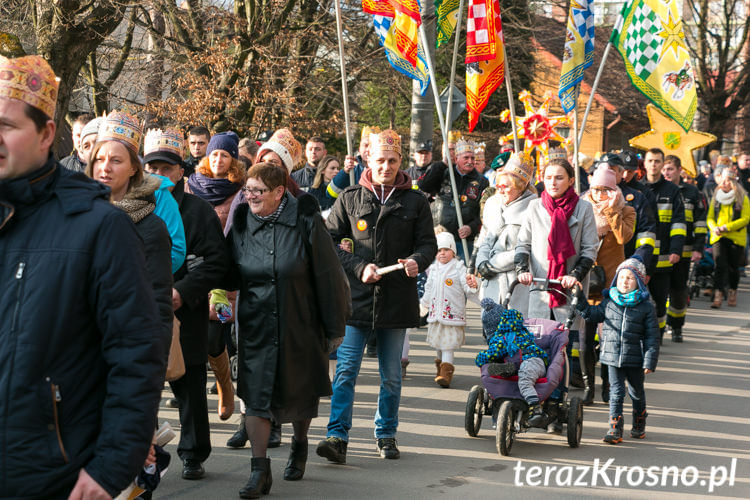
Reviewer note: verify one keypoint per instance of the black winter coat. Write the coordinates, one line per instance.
(293, 298)
(205, 266)
(382, 234)
(630, 335)
(82, 350)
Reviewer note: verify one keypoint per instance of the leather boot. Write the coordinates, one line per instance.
(446, 375)
(589, 379)
(718, 299)
(732, 298)
(220, 367)
(295, 466)
(437, 367)
(260, 479)
(239, 438)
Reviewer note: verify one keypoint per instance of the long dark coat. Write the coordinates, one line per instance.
(293, 298)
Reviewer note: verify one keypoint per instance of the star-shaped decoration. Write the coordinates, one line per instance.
(667, 135)
(673, 36)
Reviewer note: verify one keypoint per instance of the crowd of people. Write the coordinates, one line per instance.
(236, 242)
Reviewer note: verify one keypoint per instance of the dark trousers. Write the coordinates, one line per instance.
(678, 293)
(586, 352)
(727, 257)
(190, 391)
(617, 377)
(658, 287)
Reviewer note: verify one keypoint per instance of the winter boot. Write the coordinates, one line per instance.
(502, 369)
(639, 425)
(589, 379)
(677, 334)
(239, 438)
(274, 439)
(718, 299)
(535, 416)
(437, 366)
(260, 479)
(614, 434)
(446, 375)
(333, 449)
(295, 466)
(732, 298)
(220, 367)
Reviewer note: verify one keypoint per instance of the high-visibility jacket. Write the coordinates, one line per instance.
(670, 223)
(695, 219)
(735, 220)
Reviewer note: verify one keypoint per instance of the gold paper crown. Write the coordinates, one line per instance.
(520, 165)
(164, 141)
(286, 139)
(463, 147)
(479, 149)
(31, 80)
(367, 131)
(123, 127)
(387, 140)
(557, 154)
(454, 136)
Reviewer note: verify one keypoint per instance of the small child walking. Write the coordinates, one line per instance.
(629, 343)
(447, 288)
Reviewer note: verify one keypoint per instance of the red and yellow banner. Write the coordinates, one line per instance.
(485, 60)
(406, 23)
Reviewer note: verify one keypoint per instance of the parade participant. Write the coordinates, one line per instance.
(76, 160)
(201, 272)
(315, 150)
(384, 305)
(615, 222)
(630, 344)
(328, 167)
(422, 162)
(247, 150)
(217, 180)
(453, 137)
(728, 216)
(282, 257)
(504, 213)
(446, 290)
(670, 231)
(197, 140)
(642, 244)
(99, 350)
(353, 163)
(692, 251)
(469, 187)
(479, 163)
(88, 138)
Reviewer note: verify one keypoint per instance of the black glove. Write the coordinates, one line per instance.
(487, 270)
(521, 260)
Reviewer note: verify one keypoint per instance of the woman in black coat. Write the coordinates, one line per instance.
(292, 311)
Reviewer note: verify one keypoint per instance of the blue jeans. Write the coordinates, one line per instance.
(617, 377)
(389, 346)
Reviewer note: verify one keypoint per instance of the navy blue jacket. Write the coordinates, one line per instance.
(82, 349)
(644, 236)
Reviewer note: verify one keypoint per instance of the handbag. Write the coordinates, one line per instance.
(176, 363)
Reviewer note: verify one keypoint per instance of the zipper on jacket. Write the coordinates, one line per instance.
(622, 339)
(19, 293)
(56, 399)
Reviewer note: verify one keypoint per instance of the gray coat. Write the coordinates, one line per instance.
(499, 248)
(532, 241)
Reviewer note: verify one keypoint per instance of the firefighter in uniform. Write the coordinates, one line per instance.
(670, 231)
(695, 221)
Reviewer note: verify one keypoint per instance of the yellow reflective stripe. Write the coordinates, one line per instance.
(645, 238)
(675, 313)
(663, 323)
(687, 253)
(701, 230)
(678, 229)
(332, 192)
(665, 215)
(689, 215)
(663, 261)
(574, 353)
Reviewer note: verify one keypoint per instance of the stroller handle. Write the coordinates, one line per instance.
(572, 296)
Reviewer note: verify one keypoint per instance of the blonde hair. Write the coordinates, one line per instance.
(235, 174)
(517, 182)
(320, 172)
(739, 191)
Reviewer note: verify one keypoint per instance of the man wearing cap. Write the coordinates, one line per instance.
(422, 162)
(84, 353)
(315, 150)
(202, 271)
(469, 185)
(389, 224)
(76, 160)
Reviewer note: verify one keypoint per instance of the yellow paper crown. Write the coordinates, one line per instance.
(123, 127)
(31, 80)
(557, 154)
(367, 131)
(387, 140)
(479, 149)
(286, 139)
(463, 147)
(454, 136)
(164, 141)
(520, 165)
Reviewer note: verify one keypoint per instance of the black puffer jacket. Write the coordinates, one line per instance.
(382, 234)
(82, 350)
(630, 335)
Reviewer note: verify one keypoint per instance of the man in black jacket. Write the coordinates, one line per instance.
(83, 351)
(389, 224)
(202, 271)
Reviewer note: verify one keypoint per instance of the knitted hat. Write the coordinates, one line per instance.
(283, 143)
(166, 145)
(367, 131)
(491, 314)
(521, 166)
(92, 127)
(31, 80)
(121, 127)
(446, 240)
(500, 160)
(225, 141)
(603, 177)
(387, 140)
(634, 264)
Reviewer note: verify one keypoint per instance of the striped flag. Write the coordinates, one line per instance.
(579, 51)
(447, 17)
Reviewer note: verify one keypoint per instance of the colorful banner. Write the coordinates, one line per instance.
(579, 51)
(385, 31)
(407, 19)
(485, 60)
(447, 17)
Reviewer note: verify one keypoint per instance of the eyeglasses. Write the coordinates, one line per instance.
(254, 192)
(600, 189)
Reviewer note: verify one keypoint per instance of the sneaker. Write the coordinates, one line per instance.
(501, 369)
(536, 415)
(333, 449)
(387, 448)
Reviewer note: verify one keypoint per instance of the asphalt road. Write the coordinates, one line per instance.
(699, 423)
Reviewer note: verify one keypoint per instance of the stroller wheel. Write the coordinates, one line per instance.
(575, 422)
(506, 431)
(233, 368)
(474, 410)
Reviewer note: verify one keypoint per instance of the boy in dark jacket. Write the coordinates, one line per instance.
(629, 343)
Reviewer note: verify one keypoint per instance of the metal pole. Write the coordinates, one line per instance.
(344, 88)
(575, 142)
(511, 102)
(449, 106)
(579, 137)
(433, 82)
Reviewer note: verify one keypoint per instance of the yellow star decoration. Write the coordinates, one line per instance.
(673, 36)
(667, 135)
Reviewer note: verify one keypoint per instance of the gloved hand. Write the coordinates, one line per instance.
(334, 344)
(221, 304)
(487, 270)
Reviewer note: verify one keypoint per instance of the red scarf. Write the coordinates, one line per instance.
(559, 243)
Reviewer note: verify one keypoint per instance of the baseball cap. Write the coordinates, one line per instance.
(424, 146)
(629, 159)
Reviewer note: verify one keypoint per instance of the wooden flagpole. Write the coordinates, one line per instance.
(344, 87)
(575, 142)
(511, 102)
(579, 136)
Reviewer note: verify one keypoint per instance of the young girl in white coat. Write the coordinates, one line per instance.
(447, 288)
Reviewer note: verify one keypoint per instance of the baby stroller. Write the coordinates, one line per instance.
(701, 274)
(501, 398)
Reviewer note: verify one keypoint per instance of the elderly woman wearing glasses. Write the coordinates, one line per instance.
(503, 215)
(291, 313)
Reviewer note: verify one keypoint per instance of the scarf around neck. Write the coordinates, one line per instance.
(273, 217)
(211, 189)
(559, 242)
(725, 198)
(625, 299)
